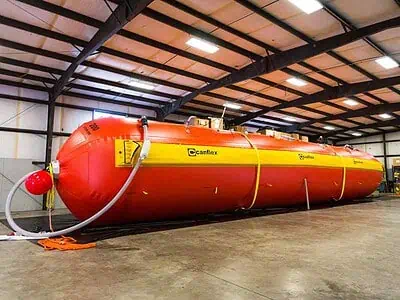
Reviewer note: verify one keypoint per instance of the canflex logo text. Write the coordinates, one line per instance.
(195, 152)
(306, 156)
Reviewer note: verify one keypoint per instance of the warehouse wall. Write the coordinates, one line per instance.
(375, 146)
(19, 150)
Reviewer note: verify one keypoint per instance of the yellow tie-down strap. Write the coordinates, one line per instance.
(125, 151)
(183, 155)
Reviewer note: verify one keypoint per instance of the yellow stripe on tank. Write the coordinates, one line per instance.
(175, 154)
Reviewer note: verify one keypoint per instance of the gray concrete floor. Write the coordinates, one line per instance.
(347, 252)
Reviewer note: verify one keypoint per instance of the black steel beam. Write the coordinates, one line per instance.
(286, 58)
(328, 94)
(88, 20)
(148, 12)
(64, 38)
(334, 13)
(24, 99)
(24, 85)
(385, 155)
(49, 136)
(343, 140)
(389, 123)
(72, 106)
(104, 100)
(31, 131)
(111, 83)
(250, 39)
(119, 54)
(259, 43)
(367, 111)
(95, 23)
(122, 15)
(304, 37)
(73, 94)
(344, 21)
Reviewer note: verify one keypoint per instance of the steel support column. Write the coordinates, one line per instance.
(385, 156)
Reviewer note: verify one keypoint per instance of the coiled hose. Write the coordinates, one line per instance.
(143, 154)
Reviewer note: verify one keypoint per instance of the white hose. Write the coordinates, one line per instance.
(143, 154)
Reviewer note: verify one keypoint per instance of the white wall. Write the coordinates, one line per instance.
(18, 150)
(392, 148)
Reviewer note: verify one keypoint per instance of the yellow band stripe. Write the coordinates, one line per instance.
(175, 154)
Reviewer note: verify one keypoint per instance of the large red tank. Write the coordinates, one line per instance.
(192, 170)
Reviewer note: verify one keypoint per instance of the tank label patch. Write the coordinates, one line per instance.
(305, 156)
(125, 151)
(355, 161)
(194, 152)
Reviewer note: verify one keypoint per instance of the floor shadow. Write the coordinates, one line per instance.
(93, 234)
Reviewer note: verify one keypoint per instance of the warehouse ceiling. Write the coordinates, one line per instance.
(336, 86)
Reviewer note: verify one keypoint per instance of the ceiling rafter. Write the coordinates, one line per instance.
(71, 106)
(259, 43)
(74, 95)
(123, 14)
(128, 34)
(62, 57)
(327, 94)
(283, 112)
(118, 94)
(96, 23)
(94, 89)
(380, 124)
(302, 36)
(64, 38)
(281, 60)
(340, 140)
(372, 110)
(51, 81)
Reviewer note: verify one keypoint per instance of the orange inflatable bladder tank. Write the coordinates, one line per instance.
(193, 170)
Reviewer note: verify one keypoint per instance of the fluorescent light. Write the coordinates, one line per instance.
(387, 62)
(296, 81)
(385, 116)
(290, 119)
(356, 134)
(308, 6)
(141, 85)
(202, 45)
(329, 128)
(350, 102)
(232, 105)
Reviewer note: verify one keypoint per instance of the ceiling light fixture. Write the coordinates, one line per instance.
(308, 6)
(232, 105)
(387, 62)
(202, 45)
(356, 134)
(141, 85)
(329, 127)
(385, 116)
(350, 102)
(290, 119)
(296, 81)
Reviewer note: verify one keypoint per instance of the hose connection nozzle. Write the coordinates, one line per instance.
(56, 168)
(144, 121)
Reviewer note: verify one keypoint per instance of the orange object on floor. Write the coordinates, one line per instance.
(63, 244)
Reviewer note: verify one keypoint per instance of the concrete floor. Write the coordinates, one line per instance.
(347, 252)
